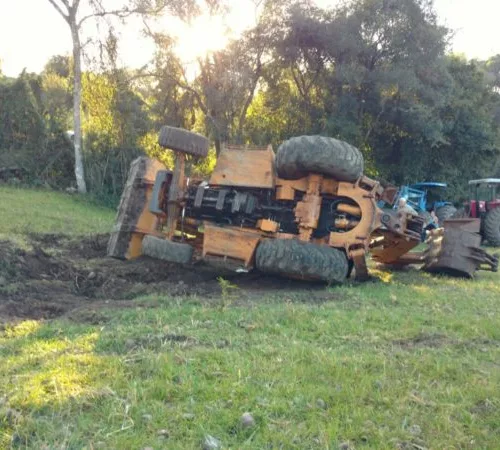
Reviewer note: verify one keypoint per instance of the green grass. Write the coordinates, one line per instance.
(414, 359)
(411, 361)
(44, 211)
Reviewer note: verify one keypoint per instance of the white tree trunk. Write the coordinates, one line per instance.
(77, 108)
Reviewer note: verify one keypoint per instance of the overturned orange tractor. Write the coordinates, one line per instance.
(307, 212)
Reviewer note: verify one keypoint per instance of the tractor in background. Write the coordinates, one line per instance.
(434, 199)
(484, 204)
(425, 197)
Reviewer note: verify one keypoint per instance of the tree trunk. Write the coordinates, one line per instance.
(243, 115)
(218, 146)
(77, 108)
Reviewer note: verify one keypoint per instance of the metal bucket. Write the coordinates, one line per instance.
(456, 250)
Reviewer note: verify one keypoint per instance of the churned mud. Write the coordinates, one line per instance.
(53, 275)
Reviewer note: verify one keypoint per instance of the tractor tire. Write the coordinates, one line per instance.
(166, 250)
(302, 260)
(184, 141)
(491, 228)
(299, 156)
(429, 223)
(460, 213)
(426, 216)
(445, 212)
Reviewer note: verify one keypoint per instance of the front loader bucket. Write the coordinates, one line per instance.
(456, 250)
(134, 220)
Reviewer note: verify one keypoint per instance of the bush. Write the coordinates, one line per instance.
(106, 172)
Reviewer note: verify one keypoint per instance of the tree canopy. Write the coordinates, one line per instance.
(376, 73)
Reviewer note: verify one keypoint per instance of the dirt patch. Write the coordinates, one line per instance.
(424, 340)
(436, 340)
(484, 407)
(59, 274)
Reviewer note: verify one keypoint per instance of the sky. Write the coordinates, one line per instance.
(28, 40)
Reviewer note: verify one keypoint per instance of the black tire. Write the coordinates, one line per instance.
(461, 213)
(183, 141)
(301, 155)
(445, 212)
(166, 250)
(303, 260)
(491, 228)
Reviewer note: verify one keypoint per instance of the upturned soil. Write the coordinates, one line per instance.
(57, 274)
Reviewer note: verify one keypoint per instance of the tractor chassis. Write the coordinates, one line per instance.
(235, 219)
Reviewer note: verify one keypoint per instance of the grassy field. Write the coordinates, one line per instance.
(42, 211)
(407, 362)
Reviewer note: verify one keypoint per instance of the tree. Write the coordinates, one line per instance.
(29, 133)
(491, 67)
(370, 72)
(21, 122)
(225, 83)
(70, 12)
(472, 135)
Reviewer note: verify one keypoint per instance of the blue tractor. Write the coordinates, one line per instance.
(425, 197)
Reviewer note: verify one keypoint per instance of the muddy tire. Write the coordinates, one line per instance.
(166, 250)
(301, 155)
(491, 228)
(303, 260)
(445, 212)
(183, 141)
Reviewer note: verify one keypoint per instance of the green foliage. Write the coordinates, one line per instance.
(115, 122)
(149, 142)
(472, 147)
(59, 65)
(21, 122)
(32, 118)
(228, 292)
(375, 73)
(57, 101)
(372, 72)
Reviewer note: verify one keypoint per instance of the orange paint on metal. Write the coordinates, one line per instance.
(297, 185)
(285, 236)
(349, 209)
(363, 192)
(267, 225)
(285, 189)
(286, 192)
(134, 219)
(230, 242)
(308, 209)
(329, 186)
(175, 193)
(240, 165)
(390, 247)
(346, 224)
